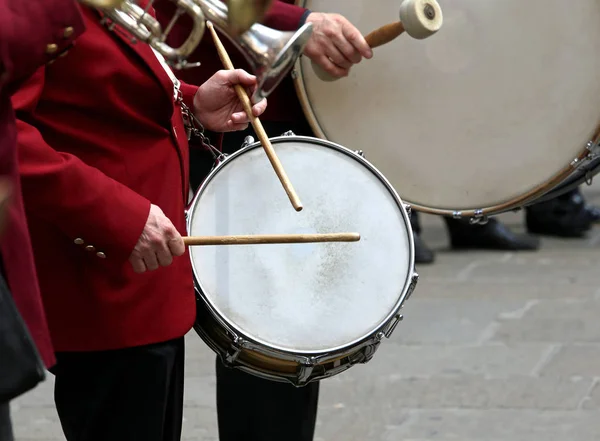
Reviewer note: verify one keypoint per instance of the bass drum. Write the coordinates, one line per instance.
(498, 108)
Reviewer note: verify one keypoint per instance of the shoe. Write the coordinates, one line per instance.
(491, 236)
(593, 213)
(565, 216)
(423, 253)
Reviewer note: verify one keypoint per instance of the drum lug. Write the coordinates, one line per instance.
(360, 153)
(408, 209)
(305, 370)
(247, 141)
(288, 133)
(397, 319)
(412, 286)
(231, 356)
(593, 147)
(479, 218)
(369, 351)
(457, 215)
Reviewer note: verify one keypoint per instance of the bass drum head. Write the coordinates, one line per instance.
(302, 298)
(491, 109)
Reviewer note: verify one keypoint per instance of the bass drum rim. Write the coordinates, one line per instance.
(527, 198)
(386, 322)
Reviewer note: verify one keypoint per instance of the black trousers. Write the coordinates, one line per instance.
(133, 394)
(250, 408)
(5, 424)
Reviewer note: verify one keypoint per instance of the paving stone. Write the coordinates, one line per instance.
(36, 423)
(574, 360)
(40, 396)
(461, 391)
(497, 425)
(506, 289)
(200, 391)
(592, 401)
(449, 321)
(494, 360)
(561, 321)
(200, 424)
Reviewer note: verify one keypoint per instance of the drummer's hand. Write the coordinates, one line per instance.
(335, 43)
(157, 245)
(217, 105)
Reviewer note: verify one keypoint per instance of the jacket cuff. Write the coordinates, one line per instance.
(188, 91)
(115, 236)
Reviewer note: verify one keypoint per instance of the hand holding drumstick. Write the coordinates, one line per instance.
(256, 124)
(418, 18)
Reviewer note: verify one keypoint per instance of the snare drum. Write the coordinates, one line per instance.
(300, 312)
(498, 108)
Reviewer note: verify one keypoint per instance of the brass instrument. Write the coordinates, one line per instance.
(244, 13)
(270, 53)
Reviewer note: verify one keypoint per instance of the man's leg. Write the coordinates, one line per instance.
(253, 409)
(123, 395)
(5, 425)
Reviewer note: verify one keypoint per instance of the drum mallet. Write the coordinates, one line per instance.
(257, 125)
(270, 239)
(418, 18)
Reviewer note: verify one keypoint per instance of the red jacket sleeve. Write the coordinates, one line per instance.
(78, 199)
(188, 91)
(285, 17)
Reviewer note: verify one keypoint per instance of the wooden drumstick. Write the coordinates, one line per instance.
(384, 34)
(257, 125)
(270, 239)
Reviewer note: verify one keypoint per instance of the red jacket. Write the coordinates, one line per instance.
(283, 15)
(27, 28)
(100, 138)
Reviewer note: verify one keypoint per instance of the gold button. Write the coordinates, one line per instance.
(101, 255)
(51, 49)
(78, 241)
(90, 248)
(68, 32)
(62, 54)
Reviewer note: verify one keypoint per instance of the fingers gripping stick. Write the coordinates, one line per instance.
(257, 125)
(418, 18)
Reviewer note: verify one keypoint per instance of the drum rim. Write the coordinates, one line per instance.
(526, 198)
(385, 323)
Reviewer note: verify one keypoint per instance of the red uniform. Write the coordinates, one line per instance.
(100, 139)
(32, 33)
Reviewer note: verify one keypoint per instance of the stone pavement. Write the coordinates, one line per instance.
(494, 346)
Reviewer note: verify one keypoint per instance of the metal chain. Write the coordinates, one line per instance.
(194, 128)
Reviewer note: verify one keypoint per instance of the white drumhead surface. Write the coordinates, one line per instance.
(498, 101)
(301, 297)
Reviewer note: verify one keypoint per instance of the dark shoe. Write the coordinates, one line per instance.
(565, 216)
(423, 253)
(491, 236)
(593, 213)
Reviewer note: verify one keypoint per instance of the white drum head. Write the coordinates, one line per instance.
(302, 297)
(495, 104)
